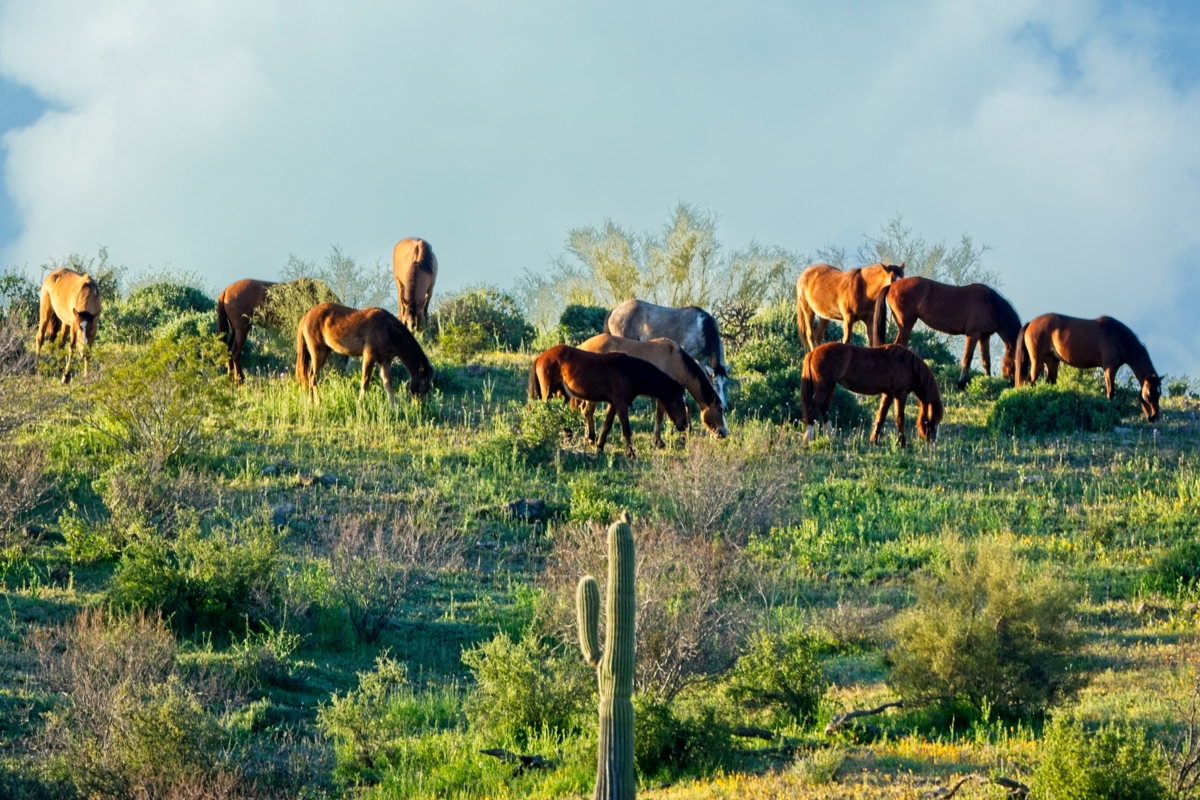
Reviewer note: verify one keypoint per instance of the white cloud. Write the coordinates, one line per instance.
(221, 136)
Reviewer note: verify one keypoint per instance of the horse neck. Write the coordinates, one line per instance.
(1138, 360)
(408, 350)
(699, 387)
(652, 380)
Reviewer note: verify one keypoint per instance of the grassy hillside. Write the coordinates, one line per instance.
(357, 599)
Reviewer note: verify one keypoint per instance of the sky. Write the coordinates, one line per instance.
(219, 137)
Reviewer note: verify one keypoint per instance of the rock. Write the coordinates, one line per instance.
(270, 470)
(35, 532)
(476, 370)
(527, 510)
(1118, 429)
(328, 480)
(280, 514)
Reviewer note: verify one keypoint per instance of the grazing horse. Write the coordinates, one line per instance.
(975, 311)
(245, 302)
(671, 359)
(613, 378)
(891, 370)
(692, 328)
(1086, 344)
(372, 333)
(849, 297)
(70, 309)
(415, 268)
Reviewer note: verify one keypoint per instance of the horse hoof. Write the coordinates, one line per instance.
(660, 444)
(66, 378)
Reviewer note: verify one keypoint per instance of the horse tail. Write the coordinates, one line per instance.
(302, 359)
(808, 391)
(879, 323)
(535, 388)
(223, 326)
(1021, 365)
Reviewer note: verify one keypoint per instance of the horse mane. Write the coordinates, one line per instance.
(712, 336)
(927, 390)
(708, 395)
(1130, 343)
(1006, 316)
(660, 384)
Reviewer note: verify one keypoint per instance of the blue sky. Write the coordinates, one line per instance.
(218, 138)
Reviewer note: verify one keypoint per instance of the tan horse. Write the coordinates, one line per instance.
(245, 302)
(415, 268)
(849, 297)
(373, 334)
(70, 307)
(1086, 344)
(671, 359)
(613, 378)
(891, 370)
(975, 311)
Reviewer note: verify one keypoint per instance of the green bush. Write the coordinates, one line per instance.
(768, 371)
(782, 675)
(1116, 762)
(1177, 568)
(217, 582)
(192, 325)
(670, 742)
(985, 389)
(477, 319)
(522, 689)
(986, 631)
(579, 323)
(1043, 409)
(138, 316)
(18, 295)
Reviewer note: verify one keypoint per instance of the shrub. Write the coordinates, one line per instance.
(669, 743)
(154, 406)
(983, 389)
(1116, 762)
(1043, 409)
(141, 494)
(987, 630)
(480, 318)
(768, 372)
(1177, 568)
(781, 674)
(18, 297)
(523, 689)
(146, 309)
(579, 323)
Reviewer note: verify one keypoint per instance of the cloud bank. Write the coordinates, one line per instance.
(218, 137)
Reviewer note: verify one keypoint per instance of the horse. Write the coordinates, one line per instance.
(613, 378)
(1086, 344)
(372, 333)
(828, 293)
(974, 310)
(891, 370)
(671, 359)
(415, 268)
(245, 302)
(69, 306)
(691, 327)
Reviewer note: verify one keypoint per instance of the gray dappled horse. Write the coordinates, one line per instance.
(692, 328)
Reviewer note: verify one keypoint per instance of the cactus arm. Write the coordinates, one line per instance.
(587, 605)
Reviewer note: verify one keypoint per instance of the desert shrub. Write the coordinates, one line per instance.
(480, 318)
(216, 582)
(670, 741)
(819, 767)
(932, 348)
(194, 324)
(1116, 762)
(146, 309)
(18, 297)
(781, 674)
(1178, 567)
(768, 372)
(986, 630)
(522, 688)
(341, 276)
(154, 406)
(984, 389)
(1043, 409)
(540, 426)
(579, 322)
(23, 483)
(142, 494)
(376, 564)
(128, 725)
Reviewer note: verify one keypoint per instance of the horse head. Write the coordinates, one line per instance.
(677, 409)
(894, 272)
(1008, 364)
(1151, 392)
(929, 420)
(713, 417)
(720, 380)
(420, 383)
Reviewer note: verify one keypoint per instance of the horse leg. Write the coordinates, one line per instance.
(368, 364)
(70, 336)
(318, 355)
(1052, 370)
(884, 406)
(607, 426)
(901, 401)
(819, 336)
(903, 333)
(847, 326)
(623, 415)
(235, 354)
(968, 354)
(1110, 377)
(589, 418)
(658, 418)
(985, 354)
(385, 375)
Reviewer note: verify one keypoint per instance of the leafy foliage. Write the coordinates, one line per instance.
(139, 316)
(1043, 409)
(356, 285)
(478, 319)
(1116, 762)
(579, 323)
(780, 673)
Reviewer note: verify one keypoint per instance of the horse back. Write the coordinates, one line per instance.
(242, 298)
(67, 291)
(415, 267)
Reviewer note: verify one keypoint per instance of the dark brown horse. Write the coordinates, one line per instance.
(1086, 344)
(975, 311)
(415, 268)
(891, 370)
(372, 333)
(245, 302)
(69, 309)
(613, 378)
(849, 297)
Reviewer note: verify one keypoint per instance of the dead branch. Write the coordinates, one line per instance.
(1015, 788)
(839, 721)
(754, 733)
(522, 762)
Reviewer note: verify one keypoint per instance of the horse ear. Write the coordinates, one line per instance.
(87, 276)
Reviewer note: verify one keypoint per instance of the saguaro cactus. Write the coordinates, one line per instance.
(615, 777)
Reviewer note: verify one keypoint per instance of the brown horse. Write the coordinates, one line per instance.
(1086, 344)
(849, 297)
(613, 378)
(891, 370)
(975, 311)
(671, 359)
(415, 268)
(245, 302)
(69, 309)
(372, 333)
